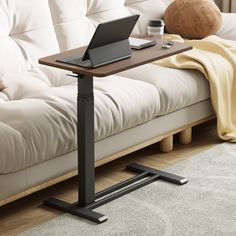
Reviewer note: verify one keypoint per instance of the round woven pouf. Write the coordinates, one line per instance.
(193, 19)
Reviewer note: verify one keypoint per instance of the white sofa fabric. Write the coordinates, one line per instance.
(38, 111)
(38, 107)
(38, 121)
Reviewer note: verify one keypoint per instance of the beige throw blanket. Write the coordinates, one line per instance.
(216, 59)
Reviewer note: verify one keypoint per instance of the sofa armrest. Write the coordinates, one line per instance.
(228, 27)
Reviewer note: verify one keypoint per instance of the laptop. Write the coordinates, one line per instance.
(109, 44)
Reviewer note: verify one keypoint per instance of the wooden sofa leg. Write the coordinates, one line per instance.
(185, 136)
(166, 145)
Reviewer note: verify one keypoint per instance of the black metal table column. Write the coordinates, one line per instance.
(88, 200)
(86, 169)
(85, 136)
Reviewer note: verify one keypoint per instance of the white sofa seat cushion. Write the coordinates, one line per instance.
(122, 103)
(39, 121)
(177, 88)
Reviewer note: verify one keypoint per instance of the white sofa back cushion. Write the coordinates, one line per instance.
(11, 57)
(31, 29)
(75, 20)
(26, 34)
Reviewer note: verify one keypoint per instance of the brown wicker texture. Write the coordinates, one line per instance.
(193, 19)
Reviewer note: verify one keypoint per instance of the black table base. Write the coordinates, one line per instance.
(88, 199)
(146, 176)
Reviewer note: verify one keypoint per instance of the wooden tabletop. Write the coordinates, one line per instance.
(138, 57)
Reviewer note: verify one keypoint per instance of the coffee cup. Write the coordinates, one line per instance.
(156, 27)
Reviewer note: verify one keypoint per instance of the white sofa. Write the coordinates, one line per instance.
(133, 109)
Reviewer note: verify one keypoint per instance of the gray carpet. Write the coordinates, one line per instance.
(204, 206)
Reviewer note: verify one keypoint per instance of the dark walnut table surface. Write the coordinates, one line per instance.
(138, 57)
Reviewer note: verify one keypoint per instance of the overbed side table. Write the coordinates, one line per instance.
(88, 199)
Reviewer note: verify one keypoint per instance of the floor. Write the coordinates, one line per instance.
(29, 212)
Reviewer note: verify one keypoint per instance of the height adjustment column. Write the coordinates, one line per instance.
(85, 139)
